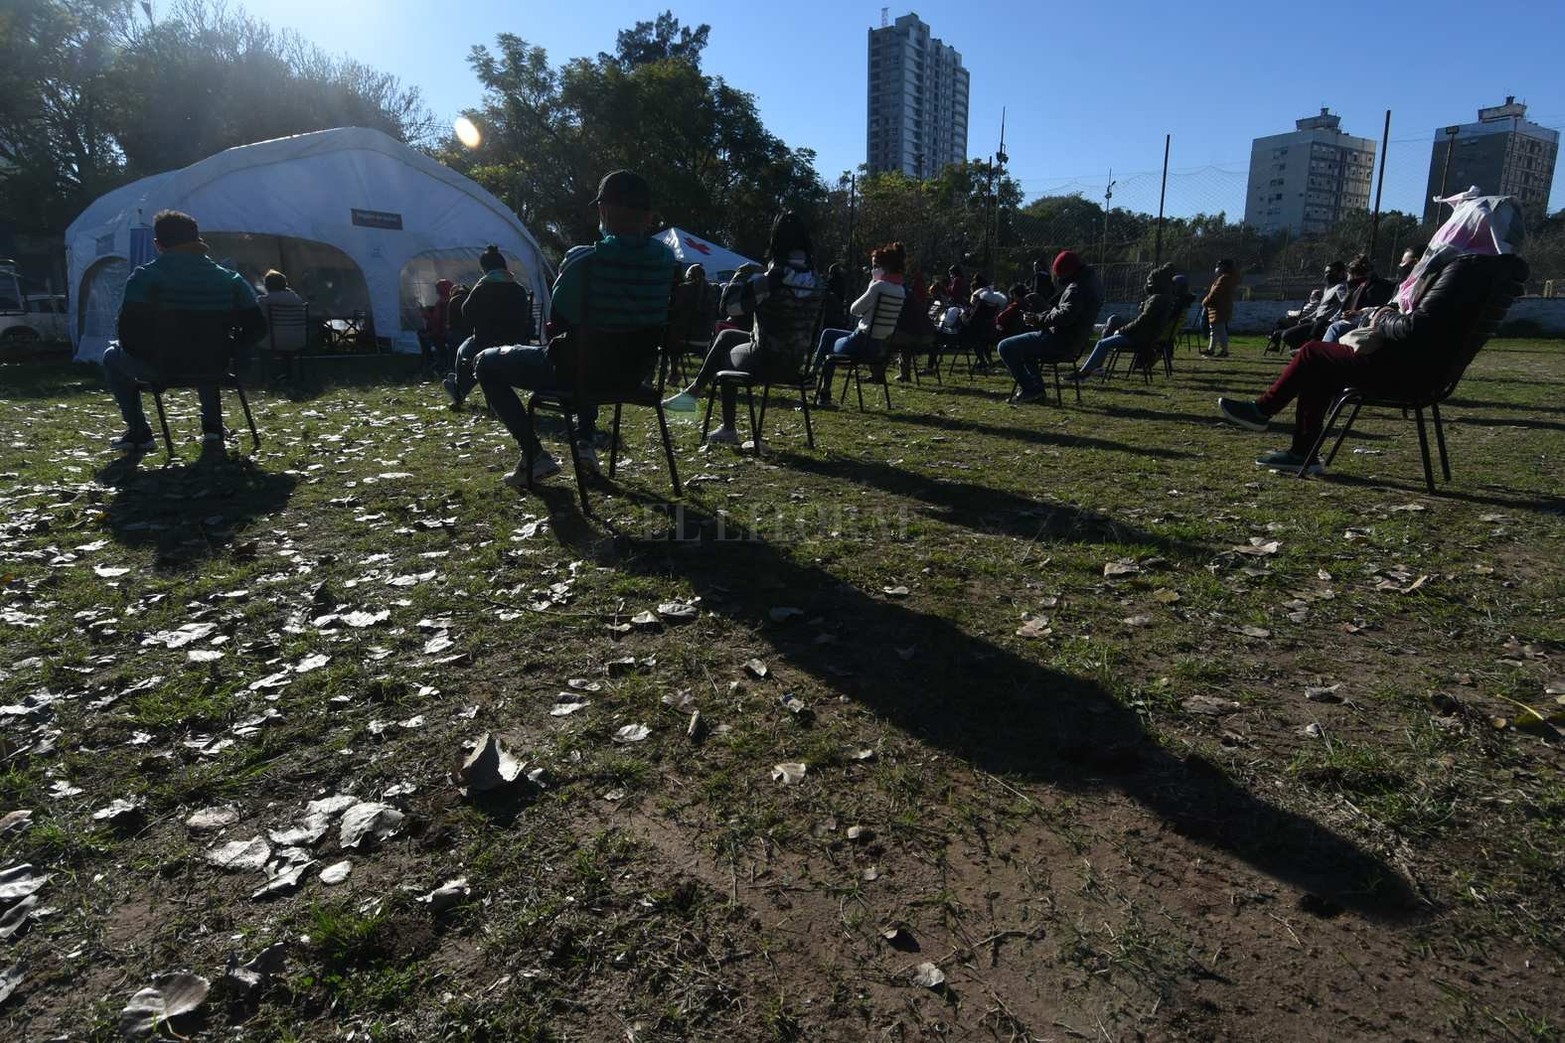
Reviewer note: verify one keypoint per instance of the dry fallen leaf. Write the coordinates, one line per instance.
(174, 996)
(929, 976)
(788, 772)
(370, 822)
(488, 767)
(240, 855)
(632, 733)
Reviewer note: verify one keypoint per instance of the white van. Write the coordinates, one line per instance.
(27, 318)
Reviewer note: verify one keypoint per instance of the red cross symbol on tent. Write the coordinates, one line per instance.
(698, 246)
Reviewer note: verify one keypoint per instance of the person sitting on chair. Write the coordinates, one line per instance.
(183, 273)
(982, 314)
(500, 311)
(1313, 321)
(286, 315)
(1366, 292)
(866, 340)
(790, 273)
(619, 290)
(1407, 352)
(1140, 334)
(1012, 319)
(1061, 331)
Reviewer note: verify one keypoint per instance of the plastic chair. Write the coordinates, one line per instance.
(195, 349)
(787, 327)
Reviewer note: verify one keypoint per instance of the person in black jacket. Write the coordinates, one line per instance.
(499, 311)
(1062, 332)
(1141, 333)
(1366, 291)
(1416, 350)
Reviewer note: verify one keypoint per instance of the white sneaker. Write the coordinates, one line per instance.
(684, 402)
(544, 465)
(724, 435)
(587, 454)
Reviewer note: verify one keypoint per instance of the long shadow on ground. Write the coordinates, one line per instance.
(986, 509)
(190, 512)
(1064, 439)
(1000, 712)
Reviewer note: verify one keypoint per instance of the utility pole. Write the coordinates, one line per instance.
(1450, 146)
(1108, 194)
(997, 177)
(853, 183)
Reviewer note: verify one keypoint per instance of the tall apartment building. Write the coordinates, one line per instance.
(1307, 180)
(917, 101)
(1504, 154)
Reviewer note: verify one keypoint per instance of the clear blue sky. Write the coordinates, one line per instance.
(1087, 87)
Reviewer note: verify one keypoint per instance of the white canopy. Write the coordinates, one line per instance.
(720, 263)
(358, 221)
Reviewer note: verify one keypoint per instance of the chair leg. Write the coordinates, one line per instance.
(766, 398)
(1445, 459)
(581, 479)
(168, 439)
(804, 404)
(711, 399)
(1331, 418)
(858, 384)
(749, 405)
(244, 404)
(614, 438)
(1423, 447)
(528, 456)
(668, 447)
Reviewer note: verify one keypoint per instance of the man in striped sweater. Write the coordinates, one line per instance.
(619, 290)
(185, 285)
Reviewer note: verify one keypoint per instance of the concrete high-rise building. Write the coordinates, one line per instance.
(1504, 154)
(917, 101)
(1307, 180)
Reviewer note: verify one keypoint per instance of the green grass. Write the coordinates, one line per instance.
(1060, 821)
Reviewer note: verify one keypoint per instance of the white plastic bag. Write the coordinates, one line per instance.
(1478, 224)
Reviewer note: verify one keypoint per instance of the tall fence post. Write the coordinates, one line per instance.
(1162, 197)
(1385, 147)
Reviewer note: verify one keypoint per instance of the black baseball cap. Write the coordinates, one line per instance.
(625, 188)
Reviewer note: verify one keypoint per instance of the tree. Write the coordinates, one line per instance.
(90, 97)
(657, 41)
(58, 148)
(550, 134)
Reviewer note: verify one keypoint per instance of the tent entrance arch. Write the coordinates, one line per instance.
(98, 299)
(319, 272)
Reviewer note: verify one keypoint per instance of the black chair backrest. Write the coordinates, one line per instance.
(1506, 277)
(609, 365)
(787, 325)
(192, 347)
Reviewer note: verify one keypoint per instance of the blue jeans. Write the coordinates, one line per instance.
(842, 344)
(501, 370)
(1023, 353)
(1103, 349)
(1335, 331)
(462, 368)
(122, 370)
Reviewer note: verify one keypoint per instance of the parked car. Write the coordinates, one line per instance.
(41, 317)
(27, 318)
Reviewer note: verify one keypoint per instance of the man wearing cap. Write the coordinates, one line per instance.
(618, 289)
(1062, 331)
(184, 280)
(499, 310)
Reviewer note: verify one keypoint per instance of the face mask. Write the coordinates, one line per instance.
(877, 273)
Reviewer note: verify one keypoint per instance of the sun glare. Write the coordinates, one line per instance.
(467, 132)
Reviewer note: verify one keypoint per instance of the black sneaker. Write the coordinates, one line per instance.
(449, 383)
(134, 441)
(1284, 460)
(1245, 413)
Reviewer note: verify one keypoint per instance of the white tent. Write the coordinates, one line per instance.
(720, 263)
(359, 222)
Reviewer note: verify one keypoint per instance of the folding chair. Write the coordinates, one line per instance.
(887, 311)
(1506, 275)
(787, 328)
(195, 349)
(594, 349)
(288, 334)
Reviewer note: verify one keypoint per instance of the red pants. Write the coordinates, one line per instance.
(1316, 375)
